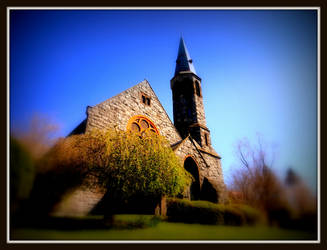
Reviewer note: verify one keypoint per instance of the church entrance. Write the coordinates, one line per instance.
(208, 193)
(192, 168)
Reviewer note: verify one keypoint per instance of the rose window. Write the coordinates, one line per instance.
(141, 124)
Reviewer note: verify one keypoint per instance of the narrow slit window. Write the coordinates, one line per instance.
(206, 139)
(197, 88)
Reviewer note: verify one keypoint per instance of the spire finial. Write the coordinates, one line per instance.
(184, 61)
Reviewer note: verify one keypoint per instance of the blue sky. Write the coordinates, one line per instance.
(258, 70)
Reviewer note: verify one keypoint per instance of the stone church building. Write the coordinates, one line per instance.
(139, 109)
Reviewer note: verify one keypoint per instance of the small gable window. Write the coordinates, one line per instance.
(145, 99)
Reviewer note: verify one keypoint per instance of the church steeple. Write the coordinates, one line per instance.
(189, 117)
(184, 61)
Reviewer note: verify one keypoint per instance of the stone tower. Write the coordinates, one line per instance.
(188, 109)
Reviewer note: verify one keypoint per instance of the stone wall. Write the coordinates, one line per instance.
(214, 174)
(186, 83)
(209, 166)
(78, 202)
(201, 119)
(116, 112)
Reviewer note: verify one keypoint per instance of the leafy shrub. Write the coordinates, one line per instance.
(125, 163)
(250, 215)
(233, 216)
(180, 210)
(204, 212)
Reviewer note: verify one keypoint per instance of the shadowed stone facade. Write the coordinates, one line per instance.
(189, 137)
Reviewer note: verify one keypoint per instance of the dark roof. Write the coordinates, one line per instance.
(184, 61)
(80, 129)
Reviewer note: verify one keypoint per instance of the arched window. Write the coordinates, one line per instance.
(140, 124)
(197, 88)
(191, 166)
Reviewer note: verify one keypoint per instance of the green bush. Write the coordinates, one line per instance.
(127, 164)
(251, 216)
(233, 216)
(204, 212)
(179, 210)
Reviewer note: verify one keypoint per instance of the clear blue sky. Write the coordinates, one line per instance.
(258, 71)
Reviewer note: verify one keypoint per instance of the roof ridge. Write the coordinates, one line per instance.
(119, 93)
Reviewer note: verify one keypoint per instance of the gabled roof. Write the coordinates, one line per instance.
(199, 149)
(80, 129)
(145, 85)
(184, 61)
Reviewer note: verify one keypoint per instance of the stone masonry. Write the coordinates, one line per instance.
(208, 165)
(117, 111)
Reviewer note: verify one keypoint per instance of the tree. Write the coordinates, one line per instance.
(27, 146)
(257, 184)
(22, 173)
(124, 163)
(38, 136)
(301, 198)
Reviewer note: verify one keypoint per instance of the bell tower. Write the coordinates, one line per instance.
(188, 109)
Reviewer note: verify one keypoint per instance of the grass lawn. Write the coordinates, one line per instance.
(163, 231)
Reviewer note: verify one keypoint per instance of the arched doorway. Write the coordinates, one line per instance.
(191, 166)
(208, 193)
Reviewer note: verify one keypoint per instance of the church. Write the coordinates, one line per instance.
(139, 109)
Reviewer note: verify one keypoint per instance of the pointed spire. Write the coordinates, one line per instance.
(184, 61)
